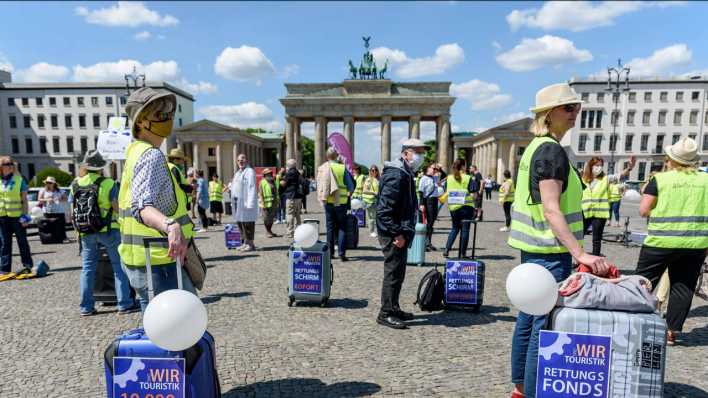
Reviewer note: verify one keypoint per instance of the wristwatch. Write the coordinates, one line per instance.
(168, 222)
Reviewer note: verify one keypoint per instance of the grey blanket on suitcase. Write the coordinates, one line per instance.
(628, 293)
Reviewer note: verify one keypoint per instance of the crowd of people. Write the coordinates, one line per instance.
(549, 206)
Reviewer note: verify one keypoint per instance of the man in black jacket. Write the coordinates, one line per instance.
(396, 209)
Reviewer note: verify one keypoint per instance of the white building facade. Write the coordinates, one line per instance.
(652, 114)
(53, 124)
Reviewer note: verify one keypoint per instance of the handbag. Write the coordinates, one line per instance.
(194, 265)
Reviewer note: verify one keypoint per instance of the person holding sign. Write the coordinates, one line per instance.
(460, 188)
(547, 219)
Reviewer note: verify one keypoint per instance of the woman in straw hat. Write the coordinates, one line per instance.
(547, 219)
(53, 202)
(676, 203)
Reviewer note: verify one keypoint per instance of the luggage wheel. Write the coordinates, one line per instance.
(324, 302)
(291, 300)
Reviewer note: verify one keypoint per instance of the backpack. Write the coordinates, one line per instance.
(86, 215)
(431, 290)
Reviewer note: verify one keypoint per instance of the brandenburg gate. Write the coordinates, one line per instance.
(366, 97)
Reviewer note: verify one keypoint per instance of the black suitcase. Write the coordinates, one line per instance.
(104, 287)
(464, 279)
(351, 232)
(51, 230)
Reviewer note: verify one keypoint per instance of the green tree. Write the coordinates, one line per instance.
(63, 178)
(251, 130)
(307, 146)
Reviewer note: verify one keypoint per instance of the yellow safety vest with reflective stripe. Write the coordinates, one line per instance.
(182, 178)
(11, 197)
(267, 193)
(338, 171)
(459, 186)
(131, 249)
(530, 231)
(359, 187)
(104, 196)
(371, 190)
(215, 191)
(509, 195)
(615, 194)
(680, 218)
(596, 201)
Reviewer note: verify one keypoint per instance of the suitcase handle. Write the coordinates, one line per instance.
(474, 239)
(148, 265)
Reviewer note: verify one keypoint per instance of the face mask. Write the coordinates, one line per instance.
(160, 129)
(596, 170)
(416, 161)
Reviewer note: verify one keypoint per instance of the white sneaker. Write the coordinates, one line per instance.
(374, 235)
(504, 229)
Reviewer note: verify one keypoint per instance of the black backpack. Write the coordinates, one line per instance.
(431, 290)
(86, 214)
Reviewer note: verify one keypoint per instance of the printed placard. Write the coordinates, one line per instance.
(360, 217)
(573, 365)
(456, 197)
(112, 144)
(148, 377)
(307, 272)
(232, 235)
(461, 282)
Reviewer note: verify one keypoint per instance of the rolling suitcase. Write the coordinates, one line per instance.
(134, 366)
(360, 215)
(310, 274)
(627, 349)
(314, 222)
(232, 236)
(416, 253)
(464, 279)
(50, 230)
(351, 232)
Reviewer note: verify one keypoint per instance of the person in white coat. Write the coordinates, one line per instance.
(243, 187)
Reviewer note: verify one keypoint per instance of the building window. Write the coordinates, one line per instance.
(10, 102)
(53, 101)
(675, 138)
(679, 96)
(632, 96)
(67, 101)
(108, 118)
(646, 117)
(584, 117)
(614, 118)
(693, 118)
(579, 165)
(628, 142)
(96, 120)
(72, 169)
(13, 121)
(29, 145)
(647, 96)
(95, 141)
(211, 151)
(705, 142)
(40, 121)
(39, 101)
(15, 142)
(82, 121)
(641, 168)
(180, 122)
(584, 97)
(80, 101)
(664, 96)
(83, 144)
(30, 170)
(677, 117)
(94, 101)
(615, 98)
(597, 145)
(67, 121)
(70, 144)
(109, 101)
(644, 144)
(582, 142)
(692, 136)
(600, 97)
(630, 118)
(42, 144)
(179, 107)
(123, 99)
(610, 167)
(662, 118)
(55, 145)
(26, 119)
(695, 96)
(25, 101)
(591, 119)
(54, 120)
(613, 142)
(659, 147)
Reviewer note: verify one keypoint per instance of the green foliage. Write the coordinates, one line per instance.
(430, 155)
(307, 146)
(255, 131)
(63, 178)
(362, 169)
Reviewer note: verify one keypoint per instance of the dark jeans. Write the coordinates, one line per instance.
(248, 231)
(336, 217)
(615, 209)
(487, 193)
(304, 203)
(598, 227)
(281, 209)
(431, 214)
(684, 267)
(203, 217)
(524, 344)
(463, 213)
(394, 274)
(8, 227)
(507, 213)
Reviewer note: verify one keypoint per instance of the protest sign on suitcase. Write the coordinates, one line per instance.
(232, 236)
(310, 274)
(360, 215)
(464, 279)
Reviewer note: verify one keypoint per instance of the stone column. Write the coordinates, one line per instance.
(512, 159)
(320, 140)
(218, 160)
(297, 134)
(414, 127)
(195, 150)
(494, 157)
(349, 133)
(385, 139)
(444, 141)
(289, 137)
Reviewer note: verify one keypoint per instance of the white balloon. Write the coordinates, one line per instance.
(36, 212)
(357, 204)
(305, 235)
(175, 320)
(532, 289)
(631, 195)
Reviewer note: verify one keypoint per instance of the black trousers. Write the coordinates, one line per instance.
(431, 214)
(598, 228)
(203, 216)
(394, 274)
(684, 267)
(507, 213)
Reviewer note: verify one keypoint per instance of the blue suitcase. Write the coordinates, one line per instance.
(134, 366)
(310, 274)
(464, 279)
(232, 236)
(416, 253)
(360, 215)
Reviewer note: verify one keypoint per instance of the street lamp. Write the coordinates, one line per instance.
(616, 87)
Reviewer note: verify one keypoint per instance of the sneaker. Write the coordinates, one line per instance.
(89, 313)
(374, 235)
(504, 229)
(248, 248)
(129, 310)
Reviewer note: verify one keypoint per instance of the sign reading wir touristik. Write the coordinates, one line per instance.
(461, 282)
(307, 272)
(148, 377)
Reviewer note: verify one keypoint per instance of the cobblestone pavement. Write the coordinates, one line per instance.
(266, 349)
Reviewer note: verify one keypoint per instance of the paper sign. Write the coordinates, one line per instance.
(461, 282)
(116, 124)
(573, 365)
(307, 272)
(112, 144)
(148, 377)
(360, 217)
(232, 235)
(456, 197)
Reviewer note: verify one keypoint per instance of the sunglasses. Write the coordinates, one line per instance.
(7, 164)
(570, 108)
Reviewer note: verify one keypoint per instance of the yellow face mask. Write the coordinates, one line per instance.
(161, 129)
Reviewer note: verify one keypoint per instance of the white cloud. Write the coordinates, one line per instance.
(290, 70)
(125, 13)
(576, 16)
(5, 63)
(511, 117)
(249, 114)
(144, 35)
(43, 72)
(661, 61)
(243, 64)
(446, 56)
(200, 87)
(114, 71)
(548, 50)
(480, 94)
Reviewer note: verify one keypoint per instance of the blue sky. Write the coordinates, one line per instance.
(235, 57)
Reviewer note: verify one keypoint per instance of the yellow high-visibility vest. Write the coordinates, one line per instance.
(11, 197)
(338, 171)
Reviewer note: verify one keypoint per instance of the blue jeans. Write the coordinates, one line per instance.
(9, 226)
(524, 344)
(164, 277)
(90, 253)
(615, 209)
(281, 209)
(336, 217)
(463, 213)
